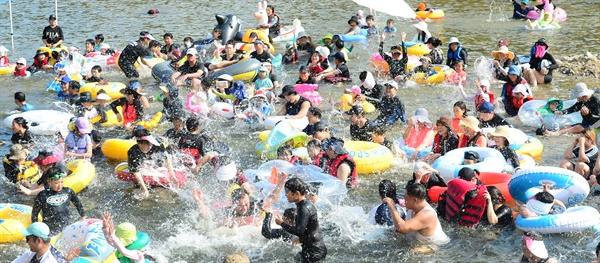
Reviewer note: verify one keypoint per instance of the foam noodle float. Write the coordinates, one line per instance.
(527, 115)
(490, 160)
(223, 109)
(152, 123)
(7, 70)
(116, 149)
(499, 180)
(82, 173)
(572, 187)
(559, 14)
(283, 132)
(309, 91)
(111, 119)
(442, 71)
(113, 89)
(379, 64)
(151, 176)
(331, 189)
(51, 55)
(83, 241)
(434, 14)
(369, 157)
(13, 218)
(298, 124)
(573, 219)
(245, 70)
(163, 71)
(362, 37)
(42, 122)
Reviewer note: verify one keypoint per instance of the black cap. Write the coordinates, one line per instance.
(86, 97)
(177, 114)
(287, 90)
(304, 69)
(471, 155)
(356, 109)
(319, 126)
(52, 17)
(129, 91)
(466, 174)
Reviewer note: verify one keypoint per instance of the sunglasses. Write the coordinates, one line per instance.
(143, 142)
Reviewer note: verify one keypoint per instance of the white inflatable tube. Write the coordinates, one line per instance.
(490, 160)
(573, 219)
(42, 122)
(571, 187)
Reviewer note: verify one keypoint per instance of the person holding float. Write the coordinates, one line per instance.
(296, 106)
(340, 165)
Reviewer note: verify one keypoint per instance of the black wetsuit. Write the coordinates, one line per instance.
(504, 214)
(129, 56)
(135, 157)
(11, 169)
(174, 135)
(361, 133)
(26, 138)
(374, 95)
(307, 230)
(269, 233)
(55, 208)
(536, 63)
(494, 122)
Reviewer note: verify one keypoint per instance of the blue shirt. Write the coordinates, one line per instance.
(27, 107)
(263, 83)
(387, 29)
(518, 12)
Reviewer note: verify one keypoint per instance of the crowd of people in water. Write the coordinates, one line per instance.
(412, 214)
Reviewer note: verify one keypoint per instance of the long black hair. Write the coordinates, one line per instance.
(21, 121)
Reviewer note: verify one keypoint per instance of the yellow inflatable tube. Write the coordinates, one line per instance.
(13, 219)
(83, 173)
(111, 119)
(49, 51)
(262, 35)
(533, 148)
(435, 14)
(113, 89)
(7, 70)
(31, 172)
(117, 148)
(418, 50)
(152, 123)
(369, 157)
(442, 72)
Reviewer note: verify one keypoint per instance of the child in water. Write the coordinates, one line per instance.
(501, 138)
(482, 95)
(459, 75)
(263, 82)
(378, 136)
(544, 20)
(4, 62)
(290, 56)
(21, 101)
(285, 153)
(389, 28)
(542, 203)
(95, 75)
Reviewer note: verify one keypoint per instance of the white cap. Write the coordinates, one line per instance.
(484, 82)
(226, 172)
(191, 51)
(103, 96)
(149, 36)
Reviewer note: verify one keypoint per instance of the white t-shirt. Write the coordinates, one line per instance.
(51, 256)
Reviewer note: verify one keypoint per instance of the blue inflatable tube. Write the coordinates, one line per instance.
(573, 219)
(571, 188)
(353, 38)
(409, 151)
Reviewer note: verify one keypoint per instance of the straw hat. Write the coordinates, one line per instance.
(503, 50)
(502, 131)
(471, 122)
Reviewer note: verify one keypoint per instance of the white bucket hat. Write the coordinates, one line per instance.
(580, 90)
(421, 25)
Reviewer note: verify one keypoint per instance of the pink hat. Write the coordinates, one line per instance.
(354, 89)
(536, 247)
(150, 139)
(22, 61)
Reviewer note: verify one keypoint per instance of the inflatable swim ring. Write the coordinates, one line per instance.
(82, 173)
(369, 157)
(434, 14)
(416, 49)
(362, 37)
(13, 219)
(31, 172)
(83, 241)
(96, 58)
(151, 176)
(379, 64)
(572, 219)
(527, 115)
(573, 188)
(223, 109)
(152, 123)
(490, 160)
(245, 70)
(559, 14)
(163, 71)
(533, 147)
(499, 180)
(330, 188)
(42, 122)
(193, 105)
(113, 89)
(7, 70)
(442, 71)
(116, 149)
(409, 151)
(262, 35)
(283, 132)
(51, 59)
(111, 119)
(309, 91)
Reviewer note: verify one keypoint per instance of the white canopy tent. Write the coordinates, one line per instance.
(12, 35)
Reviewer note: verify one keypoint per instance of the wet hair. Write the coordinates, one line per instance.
(238, 194)
(312, 188)
(295, 184)
(284, 149)
(253, 34)
(205, 82)
(21, 121)
(597, 249)
(272, 8)
(96, 136)
(460, 62)
(20, 96)
(463, 106)
(535, 235)
(99, 37)
(544, 197)
(590, 134)
(168, 35)
(140, 132)
(315, 111)
(390, 21)
(378, 130)
(190, 39)
(363, 76)
(387, 188)
(97, 68)
(54, 170)
(154, 43)
(314, 143)
(417, 190)
(74, 85)
(290, 214)
(339, 44)
(192, 124)
(436, 42)
(89, 40)
(496, 195)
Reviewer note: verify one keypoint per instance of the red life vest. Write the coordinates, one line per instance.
(294, 159)
(129, 113)
(517, 103)
(317, 160)
(469, 213)
(187, 145)
(20, 72)
(334, 164)
(37, 63)
(479, 99)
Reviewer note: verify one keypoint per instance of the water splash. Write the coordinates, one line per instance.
(497, 6)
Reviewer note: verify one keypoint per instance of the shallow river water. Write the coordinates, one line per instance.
(170, 219)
